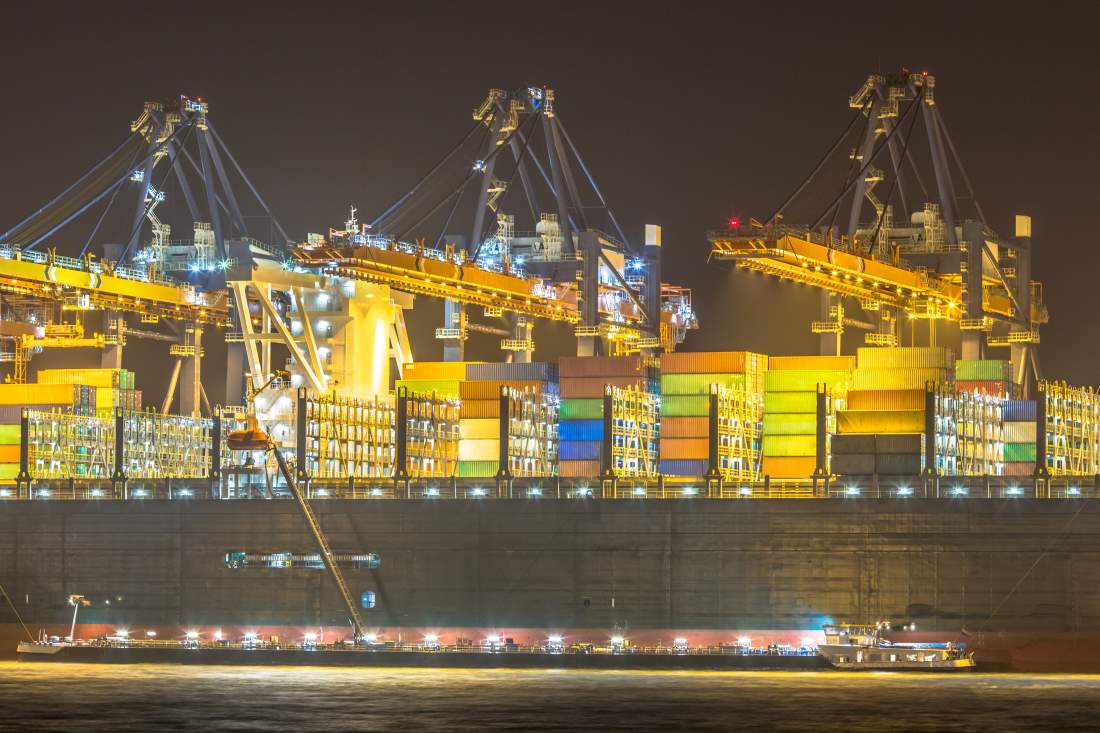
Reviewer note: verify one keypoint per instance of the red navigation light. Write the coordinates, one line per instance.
(734, 222)
(924, 73)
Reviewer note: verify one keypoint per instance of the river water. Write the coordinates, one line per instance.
(48, 697)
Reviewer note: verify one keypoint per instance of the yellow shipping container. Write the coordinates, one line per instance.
(436, 370)
(8, 471)
(880, 421)
(37, 394)
(790, 445)
(90, 377)
(815, 363)
(483, 428)
(908, 357)
(886, 399)
(879, 379)
(9, 434)
(478, 450)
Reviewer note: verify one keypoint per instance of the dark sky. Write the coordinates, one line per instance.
(686, 113)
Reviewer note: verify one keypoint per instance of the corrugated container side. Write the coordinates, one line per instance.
(478, 450)
(578, 469)
(684, 448)
(880, 421)
(685, 405)
(907, 357)
(1019, 432)
(899, 378)
(90, 377)
(593, 387)
(9, 435)
(698, 384)
(900, 443)
(852, 444)
(707, 362)
(790, 424)
(1019, 452)
(580, 430)
(788, 466)
(8, 471)
(788, 402)
(39, 394)
(535, 371)
(443, 387)
(811, 363)
(14, 413)
(804, 380)
(483, 428)
(575, 450)
(487, 390)
(898, 464)
(986, 370)
(991, 388)
(600, 366)
(480, 409)
(447, 371)
(477, 469)
(1020, 410)
(683, 467)
(853, 464)
(1019, 468)
(572, 408)
(684, 427)
(886, 399)
(790, 445)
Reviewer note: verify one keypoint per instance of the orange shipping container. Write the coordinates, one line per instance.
(789, 466)
(685, 427)
(684, 448)
(480, 408)
(711, 362)
(9, 454)
(886, 399)
(578, 469)
(487, 390)
(600, 366)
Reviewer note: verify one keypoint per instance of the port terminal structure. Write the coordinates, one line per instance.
(937, 261)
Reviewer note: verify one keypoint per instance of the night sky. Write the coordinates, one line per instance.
(684, 113)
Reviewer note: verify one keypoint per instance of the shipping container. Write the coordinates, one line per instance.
(568, 468)
(480, 408)
(908, 357)
(804, 380)
(900, 443)
(1020, 411)
(477, 469)
(593, 387)
(479, 428)
(698, 384)
(1020, 432)
(990, 388)
(880, 421)
(789, 402)
(487, 390)
(534, 371)
(684, 467)
(898, 378)
(790, 445)
(811, 363)
(582, 430)
(852, 464)
(851, 445)
(600, 366)
(790, 424)
(684, 427)
(447, 371)
(898, 464)
(573, 408)
(712, 362)
(789, 466)
(442, 387)
(886, 399)
(479, 450)
(580, 450)
(39, 394)
(684, 448)
(985, 370)
(685, 406)
(1019, 452)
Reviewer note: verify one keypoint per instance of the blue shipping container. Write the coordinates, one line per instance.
(683, 467)
(1020, 411)
(580, 430)
(575, 450)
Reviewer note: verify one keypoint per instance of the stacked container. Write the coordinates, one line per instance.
(790, 410)
(992, 377)
(686, 381)
(113, 388)
(479, 428)
(582, 383)
(1019, 437)
(441, 377)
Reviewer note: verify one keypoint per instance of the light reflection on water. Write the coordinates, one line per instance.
(52, 697)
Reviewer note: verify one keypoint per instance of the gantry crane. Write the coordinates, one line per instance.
(936, 264)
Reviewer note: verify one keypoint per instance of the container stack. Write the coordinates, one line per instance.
(113, 387)
(686, 381)
(1019, 434)
(790, 410)
(535, 389)
(979, 422)
(992, 377)
(442, 377)
(582, 383)
(885, 415)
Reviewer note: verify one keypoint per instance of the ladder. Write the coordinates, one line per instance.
(322, 544)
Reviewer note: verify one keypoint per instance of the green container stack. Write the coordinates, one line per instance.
(790, 410)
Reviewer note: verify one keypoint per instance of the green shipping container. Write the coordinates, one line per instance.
(789, 445)
(698, 384)
(1019, 452)
(477, 469)
(9, 434)
(578, 409)
(798, 423)
(787, 402)
(985, 370)
(443, 387)
(685, 406)
(804, 380)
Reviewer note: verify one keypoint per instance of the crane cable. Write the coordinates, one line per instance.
(16, 612)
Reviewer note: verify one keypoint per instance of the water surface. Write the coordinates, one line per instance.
(52, 697)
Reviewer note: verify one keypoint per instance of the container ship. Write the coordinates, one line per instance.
(633, 491)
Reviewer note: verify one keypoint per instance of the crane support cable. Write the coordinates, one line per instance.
(73, 186)
(106, 191)
(106, 210)
(246, 179)
(423, 179)
(867, 164)
(592, 182)
(958, 163)
(820, 164)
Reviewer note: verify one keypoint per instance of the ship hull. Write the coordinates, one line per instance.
(1016, 580)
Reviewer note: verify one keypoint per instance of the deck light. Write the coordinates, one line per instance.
(192, 635)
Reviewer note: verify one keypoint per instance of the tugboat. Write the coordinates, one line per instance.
(864, 647)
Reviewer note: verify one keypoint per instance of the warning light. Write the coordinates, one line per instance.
(734, 222)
